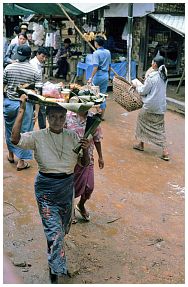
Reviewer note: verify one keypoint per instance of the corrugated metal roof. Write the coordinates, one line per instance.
(175, 23)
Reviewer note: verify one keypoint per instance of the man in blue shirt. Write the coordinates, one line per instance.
(101, 69)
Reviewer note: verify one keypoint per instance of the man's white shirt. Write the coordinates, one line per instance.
(37, 65)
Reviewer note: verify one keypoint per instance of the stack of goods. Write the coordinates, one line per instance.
(74, 98)
(90, 36)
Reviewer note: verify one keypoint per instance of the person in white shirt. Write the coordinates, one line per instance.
(150, 122)
(37, 62)
(17, 31)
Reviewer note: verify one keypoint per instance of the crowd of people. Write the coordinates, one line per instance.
(63, 174)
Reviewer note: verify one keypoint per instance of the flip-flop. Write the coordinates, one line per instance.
(27, 165)
(137, 147)
(84, 216)
(74, 221)
(165, 157)
(10, 160)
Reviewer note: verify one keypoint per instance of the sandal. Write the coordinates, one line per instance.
(53, 277)
(138, 147)
(165, 157)
(27, 165)
(74, 221)
(84, 215)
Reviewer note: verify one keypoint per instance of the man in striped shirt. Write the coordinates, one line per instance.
(20, 72)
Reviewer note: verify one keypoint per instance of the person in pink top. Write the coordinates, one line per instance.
(84, 176)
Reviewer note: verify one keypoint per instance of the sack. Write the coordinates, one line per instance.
(125, 95)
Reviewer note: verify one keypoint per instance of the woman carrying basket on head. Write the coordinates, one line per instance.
(54, 186)
(150, 123)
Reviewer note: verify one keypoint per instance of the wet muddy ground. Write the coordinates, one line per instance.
(136, 232)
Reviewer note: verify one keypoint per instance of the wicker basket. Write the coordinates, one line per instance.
(126, 96)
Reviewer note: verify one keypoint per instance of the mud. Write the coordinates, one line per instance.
(136, 232)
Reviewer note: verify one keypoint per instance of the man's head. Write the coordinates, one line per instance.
(23, 53)
(16, 30)
(24, 27)
(42, 54)
(67, 42)
(22, 38)
(99, 41)
(56, 117)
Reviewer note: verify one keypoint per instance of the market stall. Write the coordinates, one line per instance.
(166, 35)
(84, 70)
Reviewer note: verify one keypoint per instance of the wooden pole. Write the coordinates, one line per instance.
(78, 30)
(129, 39)
(180, 82)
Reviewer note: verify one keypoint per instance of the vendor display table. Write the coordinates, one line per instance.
(119, 68)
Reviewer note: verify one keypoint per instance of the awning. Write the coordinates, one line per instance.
(88, 7)
(13, 9)
(175, 23)
(117, 9)
(48, 9)
(121, 9)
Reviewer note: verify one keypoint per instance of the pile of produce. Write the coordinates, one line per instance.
(90, 36)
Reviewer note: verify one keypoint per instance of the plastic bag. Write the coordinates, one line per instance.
(51, 90)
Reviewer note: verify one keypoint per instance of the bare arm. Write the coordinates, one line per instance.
(99, 151)
(15, 136)
(85, 160)
(95, 69)
(36, 112)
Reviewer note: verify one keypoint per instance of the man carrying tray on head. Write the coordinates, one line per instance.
(20, 72)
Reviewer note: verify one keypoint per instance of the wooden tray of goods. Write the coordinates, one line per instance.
(76, 103)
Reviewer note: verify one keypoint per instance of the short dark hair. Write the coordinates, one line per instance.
(55, 109)
(159, 60)
(67, 40)
(17, 30)
(22, 34)
(100, 40)
(42, 50)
